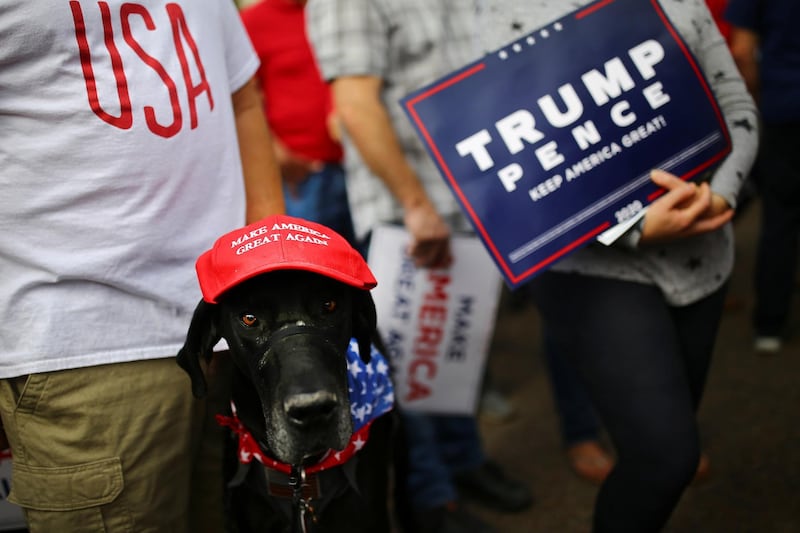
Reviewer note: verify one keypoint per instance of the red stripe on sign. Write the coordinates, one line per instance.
(589, 10)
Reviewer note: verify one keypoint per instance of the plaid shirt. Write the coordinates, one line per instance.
(407, 43)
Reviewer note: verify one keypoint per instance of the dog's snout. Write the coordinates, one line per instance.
(310, 407)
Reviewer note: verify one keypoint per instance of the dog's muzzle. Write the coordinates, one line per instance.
(311, 395)
(316, 337)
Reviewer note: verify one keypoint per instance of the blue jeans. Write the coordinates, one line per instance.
(438, 447)
(322, 198)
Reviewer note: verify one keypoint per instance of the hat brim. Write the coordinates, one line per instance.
(212, 289)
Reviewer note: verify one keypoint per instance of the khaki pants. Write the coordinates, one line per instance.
(113, 448)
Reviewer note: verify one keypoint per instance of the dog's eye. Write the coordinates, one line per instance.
(249, 320)
(329, 306)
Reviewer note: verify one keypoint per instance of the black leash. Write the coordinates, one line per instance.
(302, 508)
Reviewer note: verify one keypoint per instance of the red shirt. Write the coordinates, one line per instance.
(717, 8)
(296, 99)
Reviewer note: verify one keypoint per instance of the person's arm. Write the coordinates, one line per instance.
(365, 119)
(688, 209)
(262, 179)
(744, 45)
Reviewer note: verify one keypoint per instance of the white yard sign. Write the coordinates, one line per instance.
(437, 323)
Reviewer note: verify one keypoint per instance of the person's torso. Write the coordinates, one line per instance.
(297, 101)
(119, 166)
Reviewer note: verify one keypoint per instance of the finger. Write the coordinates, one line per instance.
(678, 191)
(662, 177)
(679, 197)
(706, 225)
(704, 193)
(718, 205)
(666, 179)
(699, 204)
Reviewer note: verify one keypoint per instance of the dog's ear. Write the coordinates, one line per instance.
(365, 322)
(200, 340)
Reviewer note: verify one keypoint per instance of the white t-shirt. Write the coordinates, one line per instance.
(118, 166)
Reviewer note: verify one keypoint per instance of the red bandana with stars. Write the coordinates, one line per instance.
(249, 448)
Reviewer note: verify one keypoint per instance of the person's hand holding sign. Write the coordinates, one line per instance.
(686, 209)
(430, 236)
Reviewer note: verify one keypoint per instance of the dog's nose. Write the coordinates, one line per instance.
(310, 407)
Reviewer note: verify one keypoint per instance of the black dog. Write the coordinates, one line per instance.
(288, 333)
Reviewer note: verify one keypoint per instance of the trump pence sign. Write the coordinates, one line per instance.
(549, 141)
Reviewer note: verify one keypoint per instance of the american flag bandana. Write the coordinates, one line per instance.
(371, 395)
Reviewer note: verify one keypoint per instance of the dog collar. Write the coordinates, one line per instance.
(371, 395)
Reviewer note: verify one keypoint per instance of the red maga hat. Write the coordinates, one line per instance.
(280, 242)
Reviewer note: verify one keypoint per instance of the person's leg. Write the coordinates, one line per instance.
(475, 476)
(622, 340)
(429, 482)
(431, 492)
(776, 266)
(776, 259)
(577, 419)
(103, 448)
(460, 442)
(697, 326)
(580, 429)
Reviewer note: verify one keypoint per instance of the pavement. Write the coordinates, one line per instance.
(749, 419)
